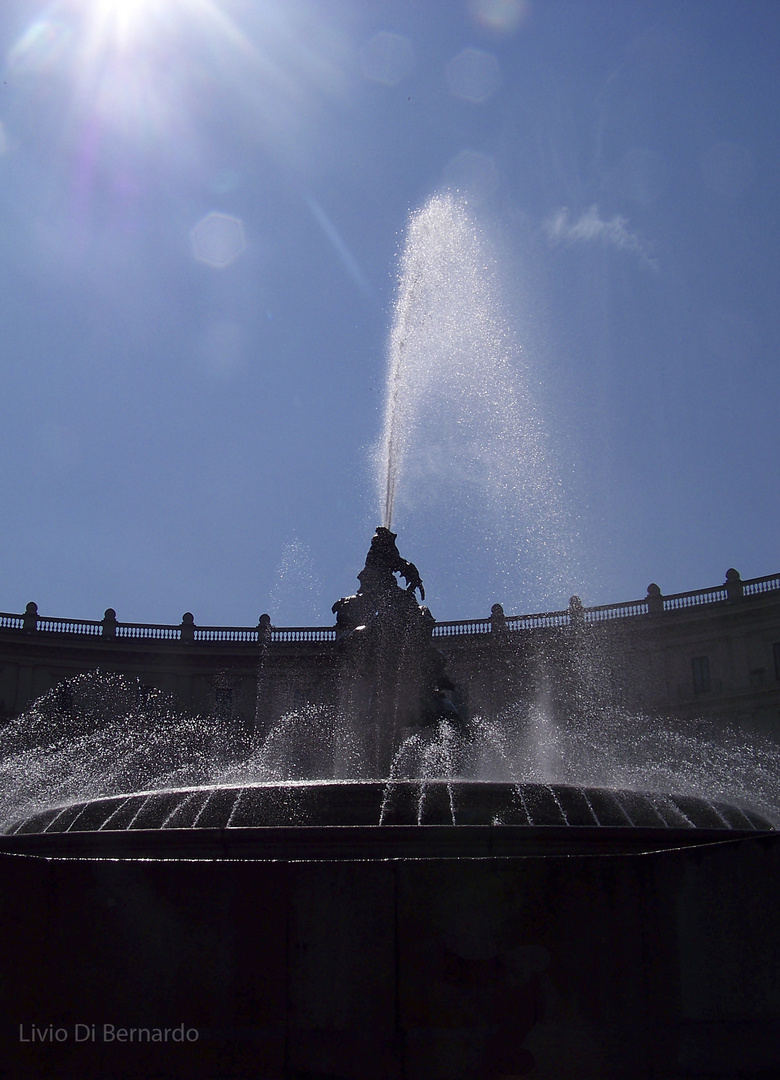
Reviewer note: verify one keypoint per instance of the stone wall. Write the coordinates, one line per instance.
(656, 965)
(715, 655)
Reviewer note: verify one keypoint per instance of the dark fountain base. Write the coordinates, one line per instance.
(377, 820)
(403, 930)
(351, 950)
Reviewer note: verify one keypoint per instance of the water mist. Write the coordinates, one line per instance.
(464, 450)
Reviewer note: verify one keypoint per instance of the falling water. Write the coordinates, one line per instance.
(462, 441)
(95, 736)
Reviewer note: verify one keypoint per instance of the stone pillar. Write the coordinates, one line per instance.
(734, 587)
(30, 617)
(264, 631)
(187, 627)
(265, 699)
(108, 624)
(655, 600)
(576, 611)
(497, 619)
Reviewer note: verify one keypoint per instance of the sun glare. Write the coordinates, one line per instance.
(139, 79)
(122, 21)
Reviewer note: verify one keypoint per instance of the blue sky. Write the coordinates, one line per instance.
(203, 206)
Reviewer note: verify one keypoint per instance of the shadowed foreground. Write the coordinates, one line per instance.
(660, 964)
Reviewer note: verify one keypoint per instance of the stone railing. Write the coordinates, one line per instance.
(695, 599)
(655, 603)
(303, 633)
(761, 585)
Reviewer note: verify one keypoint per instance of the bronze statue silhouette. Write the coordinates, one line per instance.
(384, 561)
(379, 591)
(392, 675)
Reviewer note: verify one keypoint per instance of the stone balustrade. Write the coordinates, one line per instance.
(187, 631)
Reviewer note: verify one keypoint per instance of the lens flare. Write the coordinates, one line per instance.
(142, 97)
(121, 23)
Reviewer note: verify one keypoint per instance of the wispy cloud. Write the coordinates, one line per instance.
(561, 229)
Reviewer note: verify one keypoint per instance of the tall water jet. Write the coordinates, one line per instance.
(463, 448)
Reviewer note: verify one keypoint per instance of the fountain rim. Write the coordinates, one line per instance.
(370, 843)
(279, 829)
(385, 783)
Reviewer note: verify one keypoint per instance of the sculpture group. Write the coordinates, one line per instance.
(392, 678)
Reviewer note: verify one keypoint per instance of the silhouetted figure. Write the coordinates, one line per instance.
(383, 561)
(379, 592)
(393, 677)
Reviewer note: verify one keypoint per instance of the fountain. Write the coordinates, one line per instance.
(393, 911)
(395, 746)
(396, 751)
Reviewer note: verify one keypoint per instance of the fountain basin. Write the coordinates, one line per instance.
(610, 965)
(315, 820)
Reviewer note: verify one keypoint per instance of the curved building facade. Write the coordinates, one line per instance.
(712, 652)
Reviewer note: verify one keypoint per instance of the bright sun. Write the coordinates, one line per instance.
(122, 21)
